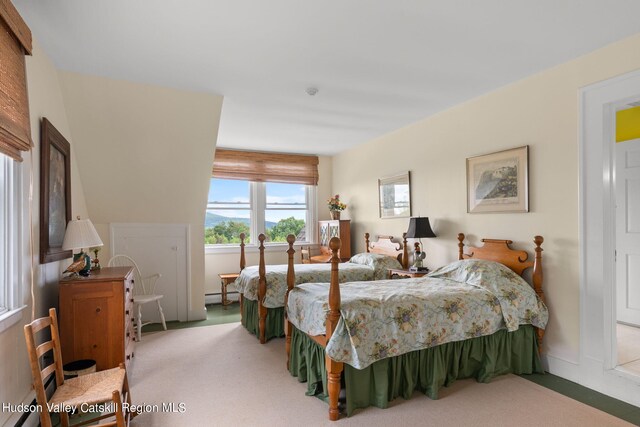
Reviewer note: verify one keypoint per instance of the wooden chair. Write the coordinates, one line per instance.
(109, 388)
(305, 255)
(144, 290)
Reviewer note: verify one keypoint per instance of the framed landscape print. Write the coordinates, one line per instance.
(55, 193)
(499, 182)
(395, 196)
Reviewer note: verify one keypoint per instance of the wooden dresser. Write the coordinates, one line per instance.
(334, 228)
(96, 317)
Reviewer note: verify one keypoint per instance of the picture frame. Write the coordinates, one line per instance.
(55, 192)
(499, 182)
(394, 193)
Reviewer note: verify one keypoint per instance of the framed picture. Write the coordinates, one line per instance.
(395, 196)
(55, 193)
(499, 182)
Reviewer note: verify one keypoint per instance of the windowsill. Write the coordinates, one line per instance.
(253, 249)
(10, 318)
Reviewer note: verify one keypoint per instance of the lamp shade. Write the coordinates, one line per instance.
(419, 227)
(80, 234)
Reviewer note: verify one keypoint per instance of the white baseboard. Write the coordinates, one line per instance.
(561, 367)
(614, 383)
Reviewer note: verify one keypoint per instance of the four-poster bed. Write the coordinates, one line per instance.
(262, 288)
(472, 318)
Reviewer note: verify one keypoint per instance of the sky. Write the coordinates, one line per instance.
(230, 190)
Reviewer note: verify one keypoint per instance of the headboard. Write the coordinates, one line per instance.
(386, 246)
(499, 251)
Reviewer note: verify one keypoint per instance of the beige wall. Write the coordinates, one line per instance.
(45, 100)
(216, 263)
(540, 111)
(145, 156)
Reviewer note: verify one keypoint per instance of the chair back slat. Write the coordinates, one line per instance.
(44, 374)
(39, 324)
(43, 348)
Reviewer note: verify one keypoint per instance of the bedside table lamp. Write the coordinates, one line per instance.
(80, 234)
(419, 227)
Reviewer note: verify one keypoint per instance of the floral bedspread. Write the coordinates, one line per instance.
(361, 267)
(392, 317)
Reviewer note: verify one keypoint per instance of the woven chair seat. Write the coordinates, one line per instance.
(89, 389)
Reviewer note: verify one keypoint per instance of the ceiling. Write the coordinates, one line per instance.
(378, 65)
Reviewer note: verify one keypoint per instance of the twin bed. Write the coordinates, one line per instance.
(381, 340)
(263, 288)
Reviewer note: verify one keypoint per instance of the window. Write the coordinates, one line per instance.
(275, 209)
(10, 214)
(228, 211)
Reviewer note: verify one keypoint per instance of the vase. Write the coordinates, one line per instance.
(335, 214)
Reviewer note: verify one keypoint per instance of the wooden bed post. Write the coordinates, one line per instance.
(262, 291)
(460, 246)
(291, 277)
(366, 241)
(537, 281)
(243, 262)
(405, 252)
(242, 265)
(334, 369)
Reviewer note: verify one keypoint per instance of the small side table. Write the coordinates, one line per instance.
(225, 280)
(402, 273)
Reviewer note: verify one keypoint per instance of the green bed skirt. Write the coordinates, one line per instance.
(426, 370)
(275, 319)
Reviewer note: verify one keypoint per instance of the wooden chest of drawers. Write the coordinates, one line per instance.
(96, 317)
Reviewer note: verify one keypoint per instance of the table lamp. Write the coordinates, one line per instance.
(80, 234)
(419, 227)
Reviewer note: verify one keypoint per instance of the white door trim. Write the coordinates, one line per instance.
(598, 104)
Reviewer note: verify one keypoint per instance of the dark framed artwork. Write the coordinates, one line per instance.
(499, 182)
(55, 192)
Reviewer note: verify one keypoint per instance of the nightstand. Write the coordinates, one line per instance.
(404, 274)
(225, 280)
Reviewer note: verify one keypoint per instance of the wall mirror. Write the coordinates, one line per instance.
(395, 196)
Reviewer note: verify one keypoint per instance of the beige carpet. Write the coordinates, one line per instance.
(224, 377)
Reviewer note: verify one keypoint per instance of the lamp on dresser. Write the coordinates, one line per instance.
(80, 234)
(419, 227)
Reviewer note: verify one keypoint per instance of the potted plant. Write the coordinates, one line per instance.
(335, 206)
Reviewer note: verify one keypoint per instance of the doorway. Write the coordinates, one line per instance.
(598, 366)
(627, 236)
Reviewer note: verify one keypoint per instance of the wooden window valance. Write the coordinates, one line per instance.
(15, 43)
(266, 167)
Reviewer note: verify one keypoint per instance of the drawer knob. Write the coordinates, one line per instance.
(128, 357)
(127, 312)
(98, 310)
(128, 334)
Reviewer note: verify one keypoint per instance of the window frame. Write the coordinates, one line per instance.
(12, 213)
(258, 205)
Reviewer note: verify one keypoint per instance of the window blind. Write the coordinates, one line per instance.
(15, 42)
(266, 167)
